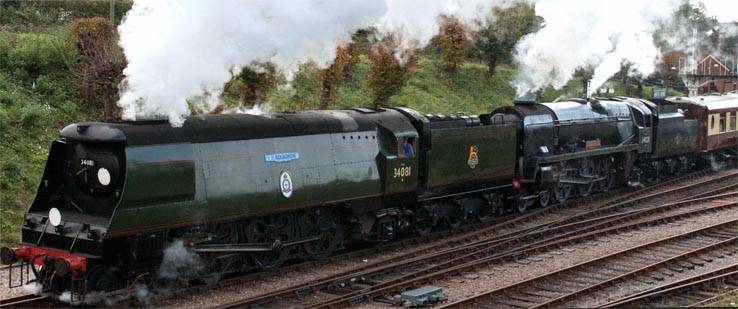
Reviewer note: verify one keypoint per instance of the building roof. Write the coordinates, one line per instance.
(710, 102)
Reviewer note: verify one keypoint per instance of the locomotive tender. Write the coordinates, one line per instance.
(246, 191)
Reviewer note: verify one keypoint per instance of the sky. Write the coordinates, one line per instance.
(723, 10)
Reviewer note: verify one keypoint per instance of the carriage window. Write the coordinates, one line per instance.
(712, 122)
(723, 124)
(732, 121)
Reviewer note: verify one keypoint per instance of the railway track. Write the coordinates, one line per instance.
(661, 258)
(24, 301)
(383, 290)
(362, 285)
(694, 291)
(498, 235)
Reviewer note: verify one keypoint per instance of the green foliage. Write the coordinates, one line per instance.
(32, 15)
(301, 93)
(430, 89)
(499, 33)
(251, 86)
(389, 74)
(30, 55)
(38, 97)
(573, 89)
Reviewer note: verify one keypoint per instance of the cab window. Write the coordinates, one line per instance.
(638, 118)
(387, 142)
(406, 146)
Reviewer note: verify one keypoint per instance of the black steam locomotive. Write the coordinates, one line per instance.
(250, 192)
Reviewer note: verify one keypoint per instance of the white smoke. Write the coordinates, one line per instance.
(34, 288)
(258, 109)
(179, 265)
(142, 294)
(595, 35)
(66, 297)
(186, 50)
(724, 11)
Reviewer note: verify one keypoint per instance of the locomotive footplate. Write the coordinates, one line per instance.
(251, 247)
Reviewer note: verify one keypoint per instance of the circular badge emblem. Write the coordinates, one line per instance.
(285, 184)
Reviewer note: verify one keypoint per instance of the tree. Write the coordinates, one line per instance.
(586, 75)
(360, 43)
(102, 63)
(390, 69)
(670, 64)
(624, 69)
(501, 30)
(252, 84)
(454, 42)
(669, 68)
(331, 77)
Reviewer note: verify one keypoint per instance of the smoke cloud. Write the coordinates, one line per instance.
(600, 35)
(179, 265)
(183, 52)
(594, 35)
(34, 288)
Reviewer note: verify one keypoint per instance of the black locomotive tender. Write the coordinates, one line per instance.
(248, 192)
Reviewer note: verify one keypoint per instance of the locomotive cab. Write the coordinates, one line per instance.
(398, 158)
(642, 123)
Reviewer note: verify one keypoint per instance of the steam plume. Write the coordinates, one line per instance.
(596, 35)
(184, 51)
(179, 265)
(34, 288)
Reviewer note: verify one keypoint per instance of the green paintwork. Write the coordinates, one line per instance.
(233, 178)
(401, 174)
(674, 135)
(645, 139)
(450, 154)
(159, 174)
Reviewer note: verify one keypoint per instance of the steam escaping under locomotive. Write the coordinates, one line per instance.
(251, 192)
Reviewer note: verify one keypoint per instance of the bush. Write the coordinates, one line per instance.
(31, 115)
(34, 54)
(6, 99)
(69, 108)
(44, 86)
(10, 167)
(27, 15)
(4, 121)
